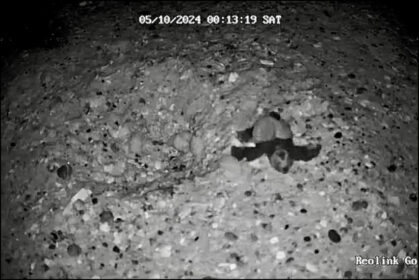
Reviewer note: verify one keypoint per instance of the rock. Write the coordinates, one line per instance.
(311, 267)
(79, 205)
(165, 251)
(280, 255)
(334, 236)
(74, 250)
(359, 204)
(82, 195)
(231, 236)
(197, 146)
(230, 167)
(394, 200)
(65, 171)
(106, 216)
(115, 169)
(181, 141)
(136, 143)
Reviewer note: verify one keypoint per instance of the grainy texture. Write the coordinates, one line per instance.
(342, 74)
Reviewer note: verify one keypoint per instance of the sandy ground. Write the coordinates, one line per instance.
(115, 140)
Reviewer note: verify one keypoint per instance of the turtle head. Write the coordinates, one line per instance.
(281, 160)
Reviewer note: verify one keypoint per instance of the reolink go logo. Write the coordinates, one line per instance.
(384, 261)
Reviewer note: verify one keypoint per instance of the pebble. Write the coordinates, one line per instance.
(115, 169)
(136, 143)
(280, 255)
(79, 205)
(230, 167)
(402, 254)
(197, 146)
(338, 135)
(165, 251)
(394, 200)
(158, 165)
(233, 77)
(334, 236)
(106, 216)
(65, 171)
(230, 236)
(359, 204)
(74, 250)
(311, 267)
(181, 141)
(369, 164)
(392, 168)
(274, 240)
(104, 227)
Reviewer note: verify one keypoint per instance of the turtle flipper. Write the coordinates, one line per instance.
(246, 135)
(305, 153)
(250, 153)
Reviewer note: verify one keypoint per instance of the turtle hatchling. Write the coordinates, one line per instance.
(273, 137)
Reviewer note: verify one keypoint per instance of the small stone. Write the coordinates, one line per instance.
(351, 76)
(73, 250)
(359, 204)
(181, 141)
(79, 205)
(115, 169)
(65, 171)
(253, 237)
(274, 240)
(280, 255)
(277, 197)
(402, 254)
(137, 143)
(104, 227)
(361, 90)
(165, 251)
(106, 216)
(231, 236)
(369, 164)
(334, 236)
(338, 135)
(300, 186)
(364, 204)
(392, 168)
(197, 146)
(289, 260)
(311, 267)
(158, 165)
(413, 197)
(230, 167)
(248, 193)
(394, 200)
(114, 147)
(266, 226)
(347, 274)
(116, 249)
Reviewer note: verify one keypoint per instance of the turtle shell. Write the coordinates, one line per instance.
(268, 128)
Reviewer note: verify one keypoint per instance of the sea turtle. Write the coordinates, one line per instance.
(273, 136)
